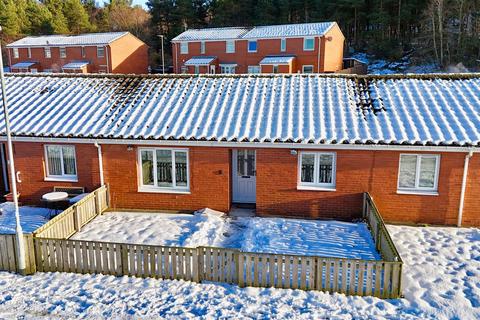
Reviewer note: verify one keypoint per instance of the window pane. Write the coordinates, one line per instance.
(283, 44)
(69, 160)
(181, 172)
(241, 163)
(325, 168)
(54, 155)
(164, 168)
(250, 162)
(252, 45)
(427, 172)
(308, 167)
(408, 168)
(147, 167)
(309, 44)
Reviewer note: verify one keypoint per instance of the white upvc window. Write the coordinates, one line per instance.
(202, 47)
(82, 49)
(60, 163)
(16, 54)
(252, 46)
(183, 47)
(163, 170)
(48, 52)
(254, 69)
(283, 44)
(100, 52)
(227, 69)
(63, 52)
(308, 44)
(418, 173)
(230, 46)
(307, 69)
(317, 170)
(29, 52)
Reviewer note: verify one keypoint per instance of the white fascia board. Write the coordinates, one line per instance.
(259, 145)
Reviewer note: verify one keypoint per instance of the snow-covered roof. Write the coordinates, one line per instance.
(75, 65)
(289, 30)
(260, 32)
(68, 40)
(23, 64)
(211, 34)
(200, 61)
(277, 60)
(318, 109)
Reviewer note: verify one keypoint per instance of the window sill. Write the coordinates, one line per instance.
(418, 192)
(163, 190)
(312, 188)
(60, 179)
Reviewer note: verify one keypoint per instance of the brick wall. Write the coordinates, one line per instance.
(129, 55)
(277, 174)
(30, 161)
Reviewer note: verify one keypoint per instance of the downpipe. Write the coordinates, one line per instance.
(464, 187)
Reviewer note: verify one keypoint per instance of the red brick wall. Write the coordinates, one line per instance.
(209, 181)
(265, 47)
(129, 55)
(30, 161)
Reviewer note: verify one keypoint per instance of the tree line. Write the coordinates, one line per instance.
(442, 32)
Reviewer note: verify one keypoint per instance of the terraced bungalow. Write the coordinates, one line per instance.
(292, 145)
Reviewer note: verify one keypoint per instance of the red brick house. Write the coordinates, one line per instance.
(293, 145)
(292, 48)
(112, 52)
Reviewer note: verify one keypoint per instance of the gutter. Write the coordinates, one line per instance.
(100, 162)
(260, 145)
(464, 187)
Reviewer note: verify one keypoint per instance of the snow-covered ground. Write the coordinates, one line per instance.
(441, 281)
(404, 65)
(208, 228)
(31, 218)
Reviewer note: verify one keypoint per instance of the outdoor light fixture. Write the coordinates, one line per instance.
(293, 152)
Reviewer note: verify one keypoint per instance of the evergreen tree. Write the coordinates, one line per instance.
(9, 19)
(76, 16)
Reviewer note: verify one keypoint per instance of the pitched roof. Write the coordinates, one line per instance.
(277, 60)
(75, 65)
(319, 109)
(200, 61)
(211, 34)
(23, 64)
(274, 31)
(68, 40)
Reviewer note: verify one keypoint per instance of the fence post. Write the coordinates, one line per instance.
(377, 241)
(76, 220)
(98, 210)
(124, 258)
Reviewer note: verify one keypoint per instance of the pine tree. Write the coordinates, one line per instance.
(76, 16)
(8, 18)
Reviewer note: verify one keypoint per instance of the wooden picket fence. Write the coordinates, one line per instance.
(349, 276)
(71, 220)
(8, 253)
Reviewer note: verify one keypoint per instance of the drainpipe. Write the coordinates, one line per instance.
(100, 163)
(464, 186)
(108, 60)
(319, 49)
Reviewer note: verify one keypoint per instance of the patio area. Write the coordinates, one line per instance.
(251, 234)
(31, 218)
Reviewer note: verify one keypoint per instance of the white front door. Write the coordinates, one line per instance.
(244, 176)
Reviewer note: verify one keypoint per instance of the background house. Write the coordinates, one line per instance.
(113, 52)
(292, 48)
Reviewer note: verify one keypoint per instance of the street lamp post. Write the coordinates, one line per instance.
(19, 232)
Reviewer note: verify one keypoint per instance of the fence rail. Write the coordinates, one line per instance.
(72, 219)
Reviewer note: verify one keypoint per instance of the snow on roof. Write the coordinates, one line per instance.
(75, 65)
(320, 109)
(23, 64)
(274, 31)
(289, 30)
(200, 61)
(211, 34)
(68, 40)
(277, 60)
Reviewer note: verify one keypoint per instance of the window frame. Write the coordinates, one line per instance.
(29, 53)
(98, 52)
(283, 44)
(16, 53)
(202, 47)
(49, 54)
(184, 50)
(82, 52)
(256, 45)
(62, 52)
(417, 189)
(305, 43)
(317, 185)
(275, 69)
(307, 65)
(257, 68)
(232, 46)
(63, 176)
(231, 69)
(155, 187)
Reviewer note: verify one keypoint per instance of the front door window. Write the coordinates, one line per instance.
(246, 163)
